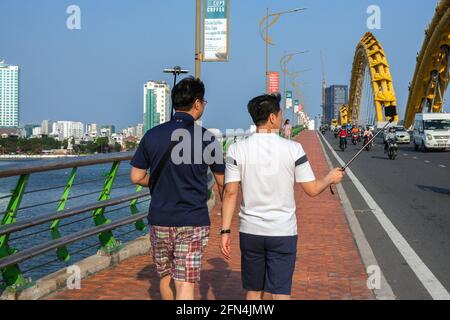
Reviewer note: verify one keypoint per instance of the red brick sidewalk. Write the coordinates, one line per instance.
(328, 263)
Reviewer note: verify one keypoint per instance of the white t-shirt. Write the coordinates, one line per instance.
(268, 167)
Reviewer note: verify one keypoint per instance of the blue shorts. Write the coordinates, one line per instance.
(268, 263)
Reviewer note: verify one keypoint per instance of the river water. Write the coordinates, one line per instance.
(43, 265)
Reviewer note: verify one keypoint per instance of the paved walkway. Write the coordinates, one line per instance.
(328, 262)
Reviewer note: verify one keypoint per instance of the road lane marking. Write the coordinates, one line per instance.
(442, 166)
(415, 158)
(426, 161)
(422, 272)
(368, 257)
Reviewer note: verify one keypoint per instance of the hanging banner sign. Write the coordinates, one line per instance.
(215, 30)
(296, 105)
(274, 82)
(288, 99)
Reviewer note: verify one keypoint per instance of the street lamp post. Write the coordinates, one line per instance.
(176, 71)
(283, 63)
(267, 39)
(198, 53)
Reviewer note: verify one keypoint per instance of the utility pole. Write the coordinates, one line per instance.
(198, 52)
(324, 86)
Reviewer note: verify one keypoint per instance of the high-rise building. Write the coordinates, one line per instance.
(37, 132)
(140, 130)
(68, 129)
(29, 129)
(107, 130)
(9, 95)
(156, 103)
(47, 127)
(336, 96)
(92, 130)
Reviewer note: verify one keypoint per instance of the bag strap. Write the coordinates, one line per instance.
(154, 177)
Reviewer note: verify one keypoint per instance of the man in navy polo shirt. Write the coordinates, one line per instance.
(178, 214)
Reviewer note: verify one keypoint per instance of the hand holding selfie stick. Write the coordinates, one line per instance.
(392, 113)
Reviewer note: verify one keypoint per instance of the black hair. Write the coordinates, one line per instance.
(186, 92)
(260, 108)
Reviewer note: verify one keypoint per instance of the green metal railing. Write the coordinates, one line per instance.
(10, 258)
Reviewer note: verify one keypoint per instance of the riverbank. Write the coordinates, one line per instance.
(37, 156)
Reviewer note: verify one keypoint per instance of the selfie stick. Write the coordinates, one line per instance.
(362, 149)
(176, 71)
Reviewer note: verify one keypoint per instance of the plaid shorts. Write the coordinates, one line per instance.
(178, 251)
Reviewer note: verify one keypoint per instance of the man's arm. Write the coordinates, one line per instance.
(220, 178)
(316, 187)
(140, 177)
(228, 208)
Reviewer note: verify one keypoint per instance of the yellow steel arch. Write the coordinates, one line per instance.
(431, 77)
(370, 54)
(343, 115)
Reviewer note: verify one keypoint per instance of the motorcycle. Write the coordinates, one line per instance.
(336, 132)
(323, 131)
(355, 138)
(342, 143)
(392, 150)
(366, 141)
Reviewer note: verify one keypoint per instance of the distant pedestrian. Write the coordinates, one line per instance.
(178, 215)
(267, 167)
(287, 129)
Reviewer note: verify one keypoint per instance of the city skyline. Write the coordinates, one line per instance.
(84, 75)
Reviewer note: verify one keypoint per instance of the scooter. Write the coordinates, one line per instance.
(355, 138)
(342, 143)
(368, 145)
(392, 150)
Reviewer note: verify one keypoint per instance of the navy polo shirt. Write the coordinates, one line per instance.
(181, 194)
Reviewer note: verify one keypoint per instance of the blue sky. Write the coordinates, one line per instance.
(96, 74)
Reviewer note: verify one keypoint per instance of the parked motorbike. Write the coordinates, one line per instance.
(392, 150)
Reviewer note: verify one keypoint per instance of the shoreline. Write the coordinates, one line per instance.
(40, 157)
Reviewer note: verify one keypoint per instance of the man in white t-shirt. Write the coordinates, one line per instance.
(267, 167)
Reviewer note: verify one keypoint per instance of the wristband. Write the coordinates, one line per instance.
(225, 231)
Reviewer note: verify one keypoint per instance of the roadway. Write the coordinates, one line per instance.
(414, 193)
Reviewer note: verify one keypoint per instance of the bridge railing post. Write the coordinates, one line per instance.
(140, 225)
(107, 240)
(62, 252)
(12, 275)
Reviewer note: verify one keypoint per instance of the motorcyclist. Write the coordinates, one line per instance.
(390, 137)
(367, 135)
(342, 134)
(355, 133)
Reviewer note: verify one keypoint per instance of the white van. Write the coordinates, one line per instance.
(432, 131)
